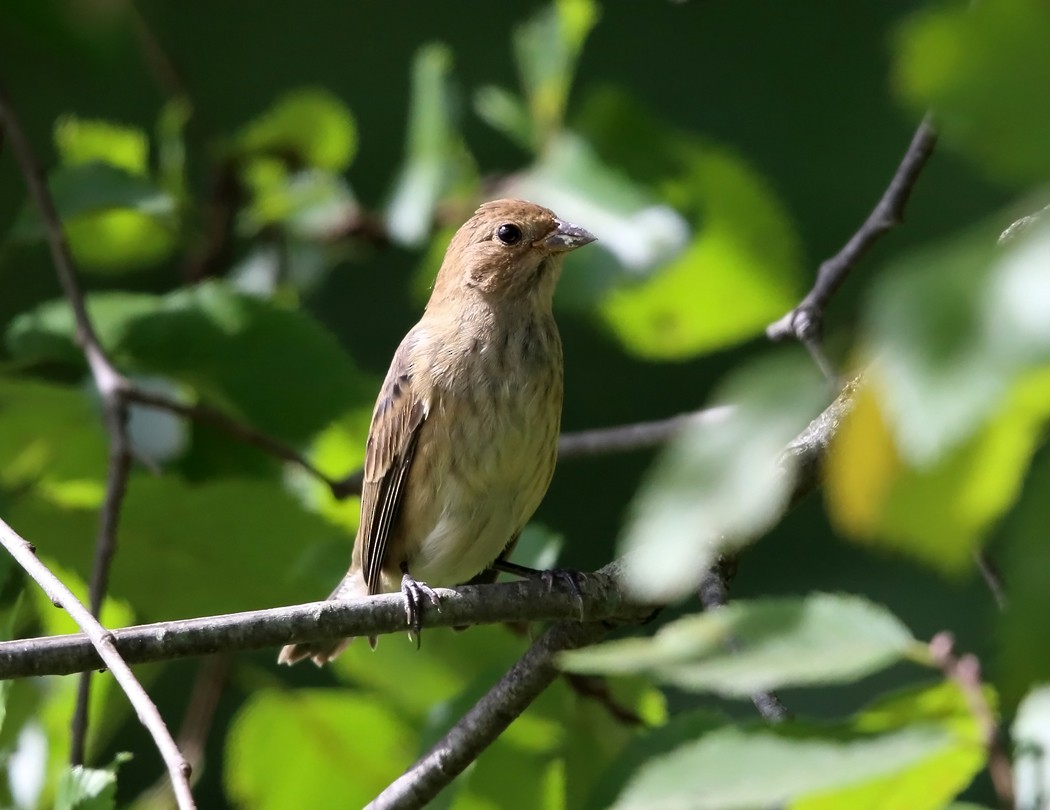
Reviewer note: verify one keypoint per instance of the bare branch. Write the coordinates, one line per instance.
(245, 433)
(101, 640)
(805, 322)
(624, 438)
(489, 717)
(109, 382)
(966, 672)
(527, 600)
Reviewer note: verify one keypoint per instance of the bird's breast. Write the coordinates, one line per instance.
(488, 451)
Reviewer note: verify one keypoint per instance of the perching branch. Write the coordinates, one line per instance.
(106, 654)
(601, 599)
(805, 322)
(108, 381)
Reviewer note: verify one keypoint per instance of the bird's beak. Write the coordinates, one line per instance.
(566, 237)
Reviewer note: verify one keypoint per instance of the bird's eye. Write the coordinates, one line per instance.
(508, 233)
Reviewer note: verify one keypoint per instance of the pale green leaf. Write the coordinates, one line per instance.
(983, 67)
(82, 140)
(310, 123)
(83, 788)
(723, 481)
(819, 639)
(337, 748)
(433, 151)
(233, 348)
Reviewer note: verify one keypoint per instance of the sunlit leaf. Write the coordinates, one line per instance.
(677, 731)
(81, 140)
(90, 788)
(48, 433)
(983, 68)
(236, 349)
(1030, 734)
(546, 49)
(310, 124)
(310, 203)
(241, 543)
(899, 755)
(433, 150)
(114, 220)
(722, 482)
(844, 639)
(335, 746)
(930, 781)
(741, 269)
(937, 512)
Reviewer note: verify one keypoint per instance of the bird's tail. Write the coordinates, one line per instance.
(321, 652)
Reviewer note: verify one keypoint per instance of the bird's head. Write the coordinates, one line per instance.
(509, 249)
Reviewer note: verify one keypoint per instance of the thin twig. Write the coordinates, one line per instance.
(619, 439)
(624, 438)
(487, 719)
(965, 671)
(102, 642)
(109, 382)
(714, 595)
(805, 322)
(245, 433)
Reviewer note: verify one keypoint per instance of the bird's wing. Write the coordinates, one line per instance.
(396, 423)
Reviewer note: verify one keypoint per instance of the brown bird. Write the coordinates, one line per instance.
(464, 435)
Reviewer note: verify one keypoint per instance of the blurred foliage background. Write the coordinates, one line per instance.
(258, 197)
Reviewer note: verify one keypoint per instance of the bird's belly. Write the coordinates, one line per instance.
(479, 503)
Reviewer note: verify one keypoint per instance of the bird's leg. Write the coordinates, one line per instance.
(415, 592)
(572, 579)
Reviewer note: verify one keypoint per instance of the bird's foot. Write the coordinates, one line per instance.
(573, 580)
(415, 593)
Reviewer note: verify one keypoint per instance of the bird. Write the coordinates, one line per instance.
(464, 433)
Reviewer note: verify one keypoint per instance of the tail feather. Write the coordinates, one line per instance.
(321, 652)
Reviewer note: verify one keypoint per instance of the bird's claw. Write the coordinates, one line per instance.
(573, 581)
(415, 592)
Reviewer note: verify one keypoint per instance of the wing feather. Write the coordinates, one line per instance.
(396, 423)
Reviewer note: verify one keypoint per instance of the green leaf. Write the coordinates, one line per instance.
(899, 754)
(234, 349)
(50, 435)
(1023, 636)
(927, 326)
(240, 542)
(434, 149)
(546, 49)
(90, 788)
(506, 113)
(171, 146)
(630, 223)
(311, 124)
(741, 269)
(114, 220)
(310, 203)
(81, 140)
(722, 482)
(940, 437)
(819, 639)
(660, 741)
(92, 188)
(335, 747)
(983, 68)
